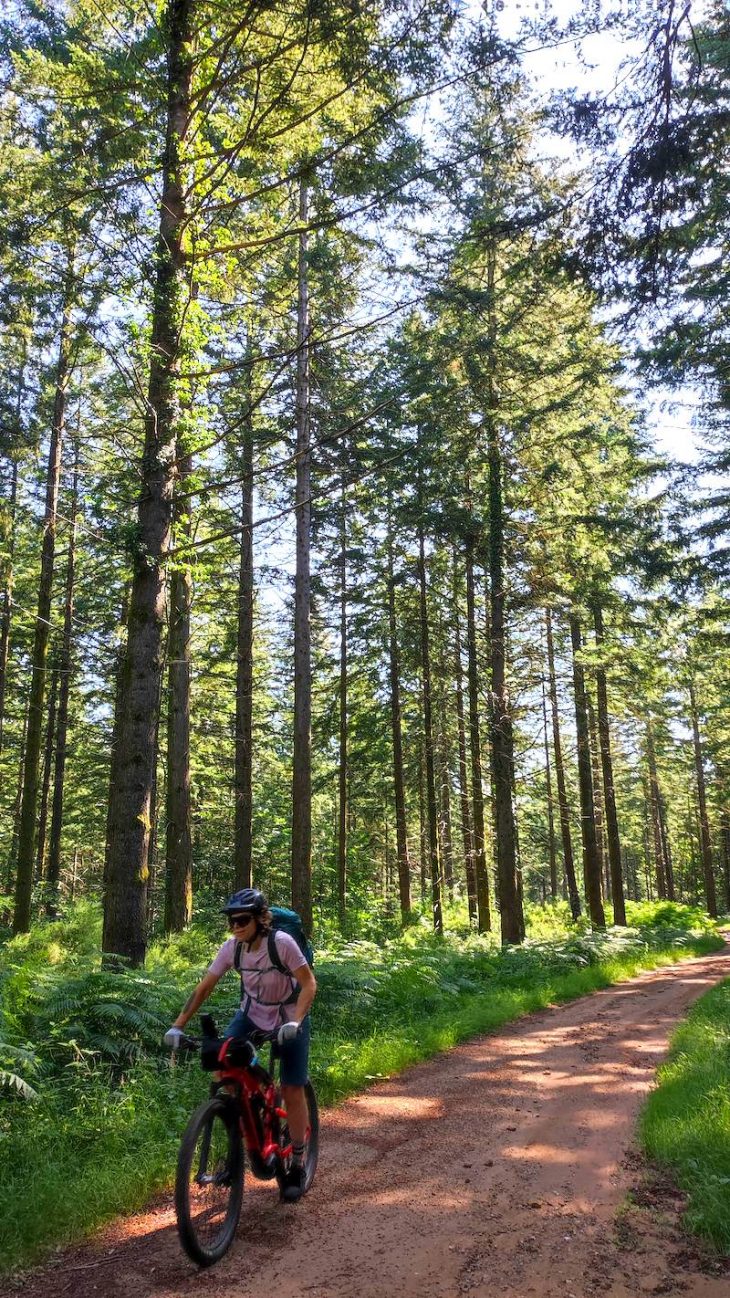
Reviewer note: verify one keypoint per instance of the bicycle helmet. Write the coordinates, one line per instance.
(246, 899)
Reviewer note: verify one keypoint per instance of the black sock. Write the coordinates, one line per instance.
(297, 1156)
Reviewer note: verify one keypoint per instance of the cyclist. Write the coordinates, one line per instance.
(273, 1001)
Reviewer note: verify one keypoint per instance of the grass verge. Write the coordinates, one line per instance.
(342, 1068)
(685, 1124)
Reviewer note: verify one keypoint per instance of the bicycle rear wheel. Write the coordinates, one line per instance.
(311, 1155)
(209, 1182)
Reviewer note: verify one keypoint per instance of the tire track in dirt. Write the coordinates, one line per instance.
(496, 1169)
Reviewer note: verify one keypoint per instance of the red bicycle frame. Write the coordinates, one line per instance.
(253, 1084)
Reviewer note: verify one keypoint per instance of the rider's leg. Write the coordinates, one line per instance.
(239, 1026)
(294, 1075)
(296, 1112)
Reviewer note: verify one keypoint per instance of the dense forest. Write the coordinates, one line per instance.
(337, 552)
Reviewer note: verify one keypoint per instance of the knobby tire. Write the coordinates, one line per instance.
(209, 1182)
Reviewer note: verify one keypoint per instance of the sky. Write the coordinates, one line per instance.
(670, 421)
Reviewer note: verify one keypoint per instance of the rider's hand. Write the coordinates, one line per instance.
(287, 1032)
(173, 1037)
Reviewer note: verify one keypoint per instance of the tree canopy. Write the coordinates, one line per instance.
(337, 552)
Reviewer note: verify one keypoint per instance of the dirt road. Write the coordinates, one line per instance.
(500, 1169)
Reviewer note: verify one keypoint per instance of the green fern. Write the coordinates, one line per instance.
(10, 1080)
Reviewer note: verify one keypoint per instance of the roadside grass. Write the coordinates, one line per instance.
(101, 1137)
(423, 1020)
(685, 1124)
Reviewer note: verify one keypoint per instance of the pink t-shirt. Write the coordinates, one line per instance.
(261, 983)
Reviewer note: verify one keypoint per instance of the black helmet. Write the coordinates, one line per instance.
(246, 899)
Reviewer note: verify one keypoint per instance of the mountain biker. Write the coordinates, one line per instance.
(272, 1001)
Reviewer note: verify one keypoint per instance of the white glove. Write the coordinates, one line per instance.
(173, 1037)
(287, 1032)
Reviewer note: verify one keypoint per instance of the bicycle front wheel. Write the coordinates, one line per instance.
(209, 1182)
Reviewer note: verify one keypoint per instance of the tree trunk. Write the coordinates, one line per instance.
(553, 856)
(626, 867)
(47, 770)
(445, 834)
(705, 842)
(725, 838)
(512, 919)
(131, 817)
(179, 844)
(484, 918)
(597, 798)
(723, 779)
(12, 861)
(666, 848)
(422, 817)
(609, 793)
(568, 860)
(647, 850)
(66, 669)
(114, 738)
(153, 855)
(433, 849)
(302, 773)
(591, 866)
(7, 596)
(466, 828)
(342, 769)
(518, 855)
(404, 866)
(654, 800)
(243, 759)
(29, 803)
(387, 860)
(694, 845)
(635, 876)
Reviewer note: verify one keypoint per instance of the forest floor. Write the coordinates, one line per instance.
(506, 1167)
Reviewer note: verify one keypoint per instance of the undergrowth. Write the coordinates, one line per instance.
(686, 1122)
(92, 1109)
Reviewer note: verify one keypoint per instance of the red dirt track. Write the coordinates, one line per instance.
(500, 1169)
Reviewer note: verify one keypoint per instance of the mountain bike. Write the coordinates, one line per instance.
(243, 1120)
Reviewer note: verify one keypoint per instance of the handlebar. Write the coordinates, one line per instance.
(209, 1043)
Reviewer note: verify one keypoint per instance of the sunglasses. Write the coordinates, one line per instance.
(240, 921)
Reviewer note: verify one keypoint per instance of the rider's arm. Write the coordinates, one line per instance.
(308, 990)
(201, 994)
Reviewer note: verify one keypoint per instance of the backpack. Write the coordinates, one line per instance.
(288, 921)
(285, 921)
